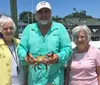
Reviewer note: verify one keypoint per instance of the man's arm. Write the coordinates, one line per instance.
(65, 46)
(22, 48)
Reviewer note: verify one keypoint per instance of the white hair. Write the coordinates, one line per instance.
(5, 19)
(77, 30)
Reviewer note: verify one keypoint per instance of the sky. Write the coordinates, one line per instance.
(59, 7)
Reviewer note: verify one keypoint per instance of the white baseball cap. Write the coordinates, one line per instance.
(43, 4)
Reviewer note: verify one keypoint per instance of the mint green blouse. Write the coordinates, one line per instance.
(56, 40)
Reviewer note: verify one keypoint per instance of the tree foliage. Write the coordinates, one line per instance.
(80, 14)
(27, 17)
(56, 18)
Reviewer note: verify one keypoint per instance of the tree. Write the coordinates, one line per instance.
(75, 9)
(26, 17)
(56, 18)
(76, 14)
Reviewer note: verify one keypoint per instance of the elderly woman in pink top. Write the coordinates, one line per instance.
(85, 61)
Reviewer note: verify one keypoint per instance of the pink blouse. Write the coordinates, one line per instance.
(83, 70)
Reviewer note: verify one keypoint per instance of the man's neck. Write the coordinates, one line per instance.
(47, 26)
(44, 28)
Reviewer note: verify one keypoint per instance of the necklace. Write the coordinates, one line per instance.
(14, 55)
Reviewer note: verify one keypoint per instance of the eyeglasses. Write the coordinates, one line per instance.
(10, 28)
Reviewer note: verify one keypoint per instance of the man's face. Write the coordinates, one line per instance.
(43, 16)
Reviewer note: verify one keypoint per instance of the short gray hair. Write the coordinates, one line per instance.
(4, 19)
(81, 27)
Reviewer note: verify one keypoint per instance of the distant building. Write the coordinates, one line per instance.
(93, 24)
(70, 23)
(21, 26)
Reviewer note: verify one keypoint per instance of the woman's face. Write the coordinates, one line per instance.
(81, 40)
(8, 31)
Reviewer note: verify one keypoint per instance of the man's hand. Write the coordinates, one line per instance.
(52, 59)
(30, 59)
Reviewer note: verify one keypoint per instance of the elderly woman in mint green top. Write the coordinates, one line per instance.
(34, 42)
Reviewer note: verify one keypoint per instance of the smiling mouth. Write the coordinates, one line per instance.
(80, 43)
(8, 34)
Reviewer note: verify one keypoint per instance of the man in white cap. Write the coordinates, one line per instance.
(49, 39)
(43, 15)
